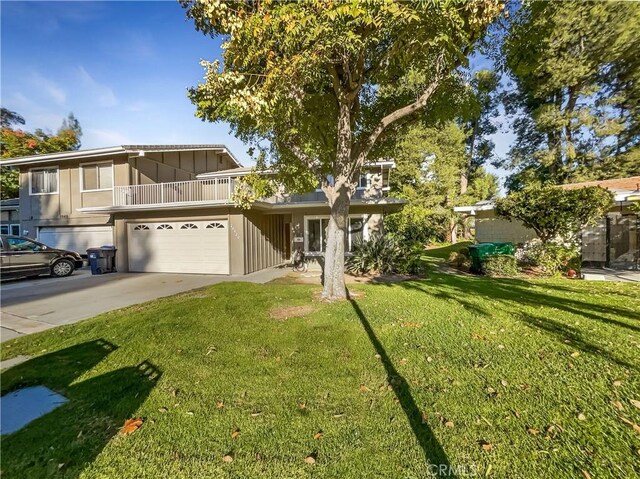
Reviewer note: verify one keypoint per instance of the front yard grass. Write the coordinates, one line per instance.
(473, 376)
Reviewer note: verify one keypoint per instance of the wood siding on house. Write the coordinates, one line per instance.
(264, 241)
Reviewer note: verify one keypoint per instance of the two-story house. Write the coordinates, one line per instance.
(169, 208)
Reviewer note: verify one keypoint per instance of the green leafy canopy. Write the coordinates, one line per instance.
(555, 213)
(289, 67)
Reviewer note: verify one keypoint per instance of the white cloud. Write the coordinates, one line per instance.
(49, 87)
(102, 93)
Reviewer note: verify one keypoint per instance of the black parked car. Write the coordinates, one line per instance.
(22, 256)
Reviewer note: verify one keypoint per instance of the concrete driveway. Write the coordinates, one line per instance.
(32, 305)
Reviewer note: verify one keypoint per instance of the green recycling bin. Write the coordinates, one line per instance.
(480, 250)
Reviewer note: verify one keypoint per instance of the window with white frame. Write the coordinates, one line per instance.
(363, 181)
(96, 176)
(43, 181)
(316, 233)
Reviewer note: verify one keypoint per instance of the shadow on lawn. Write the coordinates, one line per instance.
(516, 294)
(66, 440)
(437, 459)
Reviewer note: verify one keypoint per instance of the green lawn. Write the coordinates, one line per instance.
(495, 378)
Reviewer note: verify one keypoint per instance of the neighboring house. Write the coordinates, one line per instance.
(10, 217)
(613, 242)
(168, 208)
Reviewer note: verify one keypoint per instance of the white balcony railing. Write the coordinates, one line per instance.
(210, 191)
(217, 190)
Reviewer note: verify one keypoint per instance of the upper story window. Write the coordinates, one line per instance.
(43, 181)
(363, 181)
(96, 176)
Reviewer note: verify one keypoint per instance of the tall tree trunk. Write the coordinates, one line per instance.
(453, 231)
(334, 286)
(339, 197)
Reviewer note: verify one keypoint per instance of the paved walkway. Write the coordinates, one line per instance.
(605, 274)
(30, 306)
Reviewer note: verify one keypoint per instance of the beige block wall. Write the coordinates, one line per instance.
(491, 228)
(594, 242)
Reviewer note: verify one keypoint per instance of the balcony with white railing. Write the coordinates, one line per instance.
(211, 191)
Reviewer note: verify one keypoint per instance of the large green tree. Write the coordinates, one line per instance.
(430, 162)
(324, 81)
(16, 142)
(479, 117)
(576, 101)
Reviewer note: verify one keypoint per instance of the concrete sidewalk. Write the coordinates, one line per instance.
(30, 306)
(605, 274)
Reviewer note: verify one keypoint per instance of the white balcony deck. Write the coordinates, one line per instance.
(213, 191)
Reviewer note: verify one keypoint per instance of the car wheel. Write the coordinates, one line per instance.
(62, 268)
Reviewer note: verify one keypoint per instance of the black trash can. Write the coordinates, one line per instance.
(102, 260)
(109, 253)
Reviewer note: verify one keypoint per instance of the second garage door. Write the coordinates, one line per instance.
(76, 238)
(179, 247)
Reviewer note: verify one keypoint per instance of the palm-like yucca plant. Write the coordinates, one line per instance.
(380, 254)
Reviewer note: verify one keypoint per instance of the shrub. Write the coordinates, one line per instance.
(460, 258)
(553, 212)
(379, 254)
(416, 224)
(500, 265)
(382, 254)
(550, 257)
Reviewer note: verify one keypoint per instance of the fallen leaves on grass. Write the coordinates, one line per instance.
(227, 458)
(486, 446)
(635, 427)
(235, 433)
(448, 424)
(533, 431)
(318, 434)
(586, 474)
(618, 405)
(220, 404)
(635, 403)
(582, 417)
(131, 425)
(364, 389)
(575, 354)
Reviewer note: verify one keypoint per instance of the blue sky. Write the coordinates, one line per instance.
(121, 67)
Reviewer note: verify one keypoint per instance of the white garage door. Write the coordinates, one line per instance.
(76, 238)
(179, 247)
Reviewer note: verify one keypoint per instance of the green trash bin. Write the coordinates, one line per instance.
(504, 248)
(480, 250)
